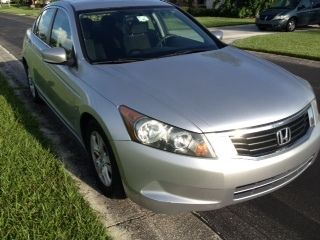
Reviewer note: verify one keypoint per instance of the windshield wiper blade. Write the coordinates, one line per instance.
(120, 60)
(188, 51)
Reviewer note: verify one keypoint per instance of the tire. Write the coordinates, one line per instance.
(103, 161)
(261, 28)
(291, 25)
(32, 88)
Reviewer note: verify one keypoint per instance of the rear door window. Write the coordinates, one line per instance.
(42, 29)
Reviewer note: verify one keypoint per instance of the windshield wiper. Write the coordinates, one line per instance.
(120, 60)
(187, 51)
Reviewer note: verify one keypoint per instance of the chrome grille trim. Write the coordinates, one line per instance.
(262, 141)
(270, 184)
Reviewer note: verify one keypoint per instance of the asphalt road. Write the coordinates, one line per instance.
(292, 212)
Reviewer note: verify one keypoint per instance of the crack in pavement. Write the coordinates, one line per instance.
(131, 219)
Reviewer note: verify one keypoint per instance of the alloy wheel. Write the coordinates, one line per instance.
(291, 25)
(101, 158)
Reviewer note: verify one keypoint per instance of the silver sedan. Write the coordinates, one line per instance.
(171, 116)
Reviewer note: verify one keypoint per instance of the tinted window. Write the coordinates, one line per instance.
(316, 4)
(290, 4)
(43, 27)
(61, 33)
(177, 27)
(140, 34)
(304, 4)
(35, 27)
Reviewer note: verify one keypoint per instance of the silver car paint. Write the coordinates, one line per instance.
(230, 89)
(203, 92)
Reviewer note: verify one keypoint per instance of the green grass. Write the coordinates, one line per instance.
(38, 198)
(296, 44)
(206, 21)
(22, 10)
(223, 21)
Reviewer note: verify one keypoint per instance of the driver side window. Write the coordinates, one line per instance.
(304, 4)
(61, 33)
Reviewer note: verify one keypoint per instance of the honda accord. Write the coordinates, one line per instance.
(170, 116)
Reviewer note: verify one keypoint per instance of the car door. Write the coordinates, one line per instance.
(304, 13)
(62, 90)
(315, 12)
(39, 41)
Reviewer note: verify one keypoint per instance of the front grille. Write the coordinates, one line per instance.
(255, 144)
(270, 184)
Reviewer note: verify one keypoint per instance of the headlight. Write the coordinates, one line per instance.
(280, 17)
(313, 113)
(154, 133)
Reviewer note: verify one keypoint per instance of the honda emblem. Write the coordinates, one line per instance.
(284, 136)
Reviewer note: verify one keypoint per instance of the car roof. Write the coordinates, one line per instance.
(80, 5)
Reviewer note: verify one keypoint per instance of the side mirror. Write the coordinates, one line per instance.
(55, 55)
(218, 34)
(301, 7)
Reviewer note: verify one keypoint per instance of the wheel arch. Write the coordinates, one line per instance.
(85, 119)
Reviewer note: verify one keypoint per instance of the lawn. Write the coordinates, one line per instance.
(22, 10)
(38, 198)
(223, 21)
(297, 44)
(206, 21)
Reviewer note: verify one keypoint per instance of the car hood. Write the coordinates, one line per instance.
(216, 91)
(272, 12)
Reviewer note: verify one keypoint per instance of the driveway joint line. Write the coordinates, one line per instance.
(131, 219)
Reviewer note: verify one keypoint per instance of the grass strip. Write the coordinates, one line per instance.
(20, 10)
(303, 44)
(223, 21)
(38, 198)
(206, 21)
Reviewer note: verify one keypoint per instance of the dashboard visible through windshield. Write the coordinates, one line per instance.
(125, 35)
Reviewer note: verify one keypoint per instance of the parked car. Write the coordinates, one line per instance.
(289, 14)
(171, 116)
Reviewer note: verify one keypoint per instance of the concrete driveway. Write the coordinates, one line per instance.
(232, 33)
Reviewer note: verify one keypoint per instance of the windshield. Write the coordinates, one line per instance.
(290, 4)
(122, 35)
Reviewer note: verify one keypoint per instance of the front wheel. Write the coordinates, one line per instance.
(103, 161)
(291, 25)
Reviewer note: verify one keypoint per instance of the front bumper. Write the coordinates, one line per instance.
(274, 24)
(171, 183)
